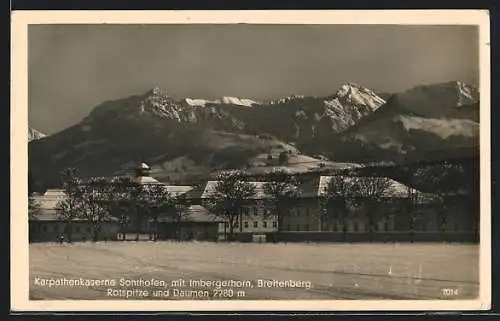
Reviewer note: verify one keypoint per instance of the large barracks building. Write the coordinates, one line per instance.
(257, 221)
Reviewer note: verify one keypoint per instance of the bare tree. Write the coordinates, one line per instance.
(119, 201)
(157, 202)
(371, 192)
(34, 209)
(95, 209)
(71, 206)
(230, 194)
(137, 207)
(451, 186)
(34, 212)
(336, 198)
(179, 214)
(412, 201)
(283, 188)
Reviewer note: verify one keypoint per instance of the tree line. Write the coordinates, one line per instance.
(451, 186)
(282, 190)
(99, 199)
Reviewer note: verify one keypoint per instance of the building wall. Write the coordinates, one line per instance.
(255, 218)
(206, 231)
(392, 221)
(199, 232)
(395, 216)
(259, 218)
(305, 216)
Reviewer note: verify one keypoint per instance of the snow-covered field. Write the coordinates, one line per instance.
(335, 271)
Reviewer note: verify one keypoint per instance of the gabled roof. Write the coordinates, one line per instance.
(177, 190)
(306, 189)
(195, 193)
(143, 180)
(49, 199)
(196, 213)
(396, 189)
(54, 192)
(211, 186)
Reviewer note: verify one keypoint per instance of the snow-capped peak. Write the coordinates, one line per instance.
(34, 134)
(350, 103)
(467, 94)
(358, 95)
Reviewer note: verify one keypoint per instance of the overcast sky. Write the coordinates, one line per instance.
(73, 68)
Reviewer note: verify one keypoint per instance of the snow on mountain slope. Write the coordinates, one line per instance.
(284, 100)
(238, 101)
(197, 102)
(444, 128)
(439, 100)
(226, 100)
(200, 102)
(439, 117)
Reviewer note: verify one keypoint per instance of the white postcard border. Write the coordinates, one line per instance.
(19, 153)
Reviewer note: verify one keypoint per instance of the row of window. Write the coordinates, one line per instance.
(385, 227)
(357, 227)
(58, 228)
(255, 211)
(298, 227)
(246, 224)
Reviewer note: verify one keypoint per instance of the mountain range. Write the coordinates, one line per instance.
(191, 137)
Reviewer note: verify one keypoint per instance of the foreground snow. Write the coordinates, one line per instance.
(335, 271)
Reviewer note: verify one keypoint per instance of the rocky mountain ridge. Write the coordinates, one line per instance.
(191, 136)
